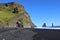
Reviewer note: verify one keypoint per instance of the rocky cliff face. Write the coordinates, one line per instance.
(11, 12)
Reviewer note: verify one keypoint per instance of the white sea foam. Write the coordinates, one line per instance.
(57, 28)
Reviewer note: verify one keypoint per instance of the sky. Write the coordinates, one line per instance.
(41, 11)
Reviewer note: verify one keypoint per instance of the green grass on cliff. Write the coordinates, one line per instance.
(6, 13)
(5, 16)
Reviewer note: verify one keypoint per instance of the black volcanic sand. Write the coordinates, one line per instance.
(46, 34)
(16, 34)
(28, 34)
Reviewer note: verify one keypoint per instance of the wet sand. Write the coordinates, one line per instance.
(47, 34)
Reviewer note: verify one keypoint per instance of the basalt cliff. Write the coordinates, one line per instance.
(11, 12)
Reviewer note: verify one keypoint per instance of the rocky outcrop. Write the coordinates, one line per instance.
(18, 13)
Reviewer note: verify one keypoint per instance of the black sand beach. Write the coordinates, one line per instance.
(29, 34)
